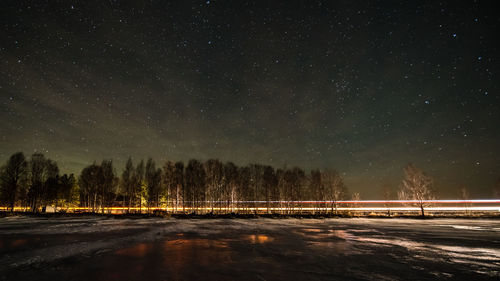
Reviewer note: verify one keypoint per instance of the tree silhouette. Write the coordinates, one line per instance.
(214, 180)
(200, 187)
(138, 185)
(316, 188)
(231, 178)
(195, 184)
(42, 174)
(12, 179)
(334, 187)
(128, 185)
(270, 183)
(179, 183)
(109, 184)
(416, 186)
(153, 183)
(67, 188)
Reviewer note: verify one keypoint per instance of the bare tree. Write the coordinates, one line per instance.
(464, 195)
(214, 180)
(67, 185)
(316, 188)
(98, 186)
(416, 186)
(139, 185)
(243, 185)
(90, 182)
(109, 184)
(256, 184)
(270, 184)
(153, 184)
(12, 179)
(298, 182)
(169, 183)
(387, 194)
(356, 197)
(334, 187)
(231, 179)
(179, 183)
(281, 193)
(195, 189)
(127, 184)
(42, 172)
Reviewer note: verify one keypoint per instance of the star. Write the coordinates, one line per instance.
(334, 86)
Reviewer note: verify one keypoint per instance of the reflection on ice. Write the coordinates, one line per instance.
(457, 251)
(312, 230)
(171, 256)
(180, 253)
(316, 233)
(482, 257)
(258, 239)
(139, 250)
(469, 252)
(298, 249)
(19, 242)
(339, 233)
(467, 227)
(193, 243)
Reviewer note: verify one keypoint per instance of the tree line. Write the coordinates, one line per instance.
(35, 183)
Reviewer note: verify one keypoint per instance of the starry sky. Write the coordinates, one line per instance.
(365, 87)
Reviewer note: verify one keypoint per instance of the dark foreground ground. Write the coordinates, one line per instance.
(105, 248)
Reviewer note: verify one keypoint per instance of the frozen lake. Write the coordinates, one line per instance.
(100, 248)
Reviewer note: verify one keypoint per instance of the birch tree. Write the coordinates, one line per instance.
(417, 187)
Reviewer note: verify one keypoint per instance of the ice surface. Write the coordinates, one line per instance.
(101, 248)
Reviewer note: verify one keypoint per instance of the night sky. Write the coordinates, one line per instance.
(362, 86)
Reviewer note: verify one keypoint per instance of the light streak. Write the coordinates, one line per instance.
(452, 201)
(497, 208)
(298, 206)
